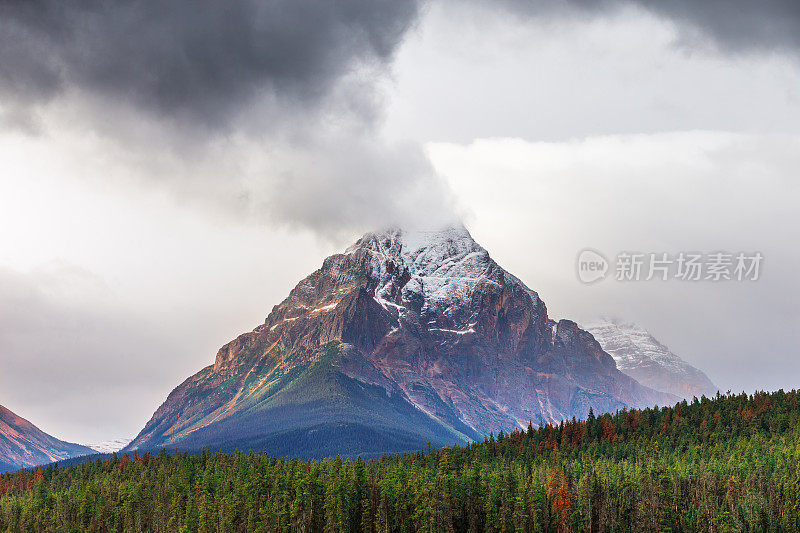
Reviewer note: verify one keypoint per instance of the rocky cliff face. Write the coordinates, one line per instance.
(639, 355)
(23, 445)
(423, 330)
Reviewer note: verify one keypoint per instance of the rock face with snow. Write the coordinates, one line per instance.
(405, 338)
(24, 445)
(639, 355)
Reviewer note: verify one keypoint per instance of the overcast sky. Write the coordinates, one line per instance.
(170, 171)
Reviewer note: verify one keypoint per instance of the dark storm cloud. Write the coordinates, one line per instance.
(197, 61)
(190, 91)
(737, 25)
(734, 25)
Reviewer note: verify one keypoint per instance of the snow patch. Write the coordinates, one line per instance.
(324, 308)
(282, 321)
(469, 329)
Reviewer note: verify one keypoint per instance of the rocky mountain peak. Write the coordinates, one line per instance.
(640, 355)
(431, 321)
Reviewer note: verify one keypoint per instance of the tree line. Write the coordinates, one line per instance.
(729, 463)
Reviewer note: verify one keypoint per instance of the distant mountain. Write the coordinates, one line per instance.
(109, 446)
(407, 337)
(639, 355)
(23, 445)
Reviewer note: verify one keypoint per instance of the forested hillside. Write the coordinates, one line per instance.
(723, 464)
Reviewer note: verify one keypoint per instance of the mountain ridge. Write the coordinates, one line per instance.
(23, 445)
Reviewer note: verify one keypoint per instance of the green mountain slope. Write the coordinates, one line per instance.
(316, 410)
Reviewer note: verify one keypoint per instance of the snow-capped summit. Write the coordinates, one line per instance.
(443, 267)
(641, 356)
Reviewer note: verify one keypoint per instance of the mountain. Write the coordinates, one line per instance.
(407, 337)
(639, 355)
(22, 444)
(109, 446)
